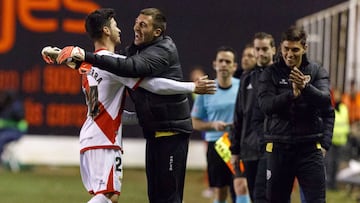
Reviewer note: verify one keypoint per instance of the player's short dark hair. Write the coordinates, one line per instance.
(229, 49)
(248, 45)
(295, 34)
(264, 35)
(95, 21)
(159, 19)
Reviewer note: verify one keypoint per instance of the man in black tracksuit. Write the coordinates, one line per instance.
(165, 119)
(295, 96)
(248, 132)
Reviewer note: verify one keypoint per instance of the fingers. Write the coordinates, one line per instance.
(210, 83)
(84, 68)
(49, 54)
(297, 77)
(205, 90)
(211, 91)
(296, 74)
(219, 125)
(205, 86)
(64, 54)
(203, 82)
(204, 77)
(210, 87)
(296, 90)
(48, 59)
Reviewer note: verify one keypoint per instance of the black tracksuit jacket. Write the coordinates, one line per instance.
(308, 118)
(246, 135)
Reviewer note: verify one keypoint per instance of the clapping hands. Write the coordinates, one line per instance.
(299, 81)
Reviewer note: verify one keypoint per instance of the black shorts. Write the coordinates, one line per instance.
(219, 174)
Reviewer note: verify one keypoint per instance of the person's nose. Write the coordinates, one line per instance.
(290, 53)
(261, 52)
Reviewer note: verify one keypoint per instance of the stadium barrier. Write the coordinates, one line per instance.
(64, 151)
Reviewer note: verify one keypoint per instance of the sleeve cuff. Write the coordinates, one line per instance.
(89, 57)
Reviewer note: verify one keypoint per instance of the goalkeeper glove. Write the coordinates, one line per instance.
(84, 68)
(70, 54)
(50, 54)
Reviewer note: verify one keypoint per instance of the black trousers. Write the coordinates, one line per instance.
(255, 172)
(165, 168)
(287, 161)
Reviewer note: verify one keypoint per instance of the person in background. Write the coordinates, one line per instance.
(196, 72)
(352, 100)
(294, 94)
(248, 119)
(248, 62)
(214, 114)
(12, 118)
(339, 140)
(238, 72)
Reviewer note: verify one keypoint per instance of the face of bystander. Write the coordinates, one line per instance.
(264, 52)
(248, 60)
(224, 64)
(292, 53)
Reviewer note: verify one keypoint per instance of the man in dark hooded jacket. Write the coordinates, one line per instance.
(294, 94)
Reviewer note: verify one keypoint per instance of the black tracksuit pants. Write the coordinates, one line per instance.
(255, 172)
(165, 167)
(287, 161)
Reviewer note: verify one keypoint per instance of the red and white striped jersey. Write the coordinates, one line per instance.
(105, 97)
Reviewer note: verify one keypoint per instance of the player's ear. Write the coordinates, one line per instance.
(305, 48)
(157, 32)
(106, 30)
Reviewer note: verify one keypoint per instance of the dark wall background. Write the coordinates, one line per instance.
(200, 27)
(197, 27)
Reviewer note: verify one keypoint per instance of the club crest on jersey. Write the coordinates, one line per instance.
(283, 81)
(307, 78)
